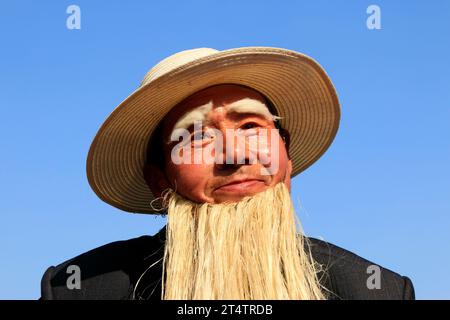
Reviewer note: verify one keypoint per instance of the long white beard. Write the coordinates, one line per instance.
(244, 250)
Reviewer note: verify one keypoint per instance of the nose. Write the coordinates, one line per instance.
(235, 151)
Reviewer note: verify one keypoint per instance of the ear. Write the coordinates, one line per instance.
(286, 137)
(156, 179)
(287, 177)
(289, 168)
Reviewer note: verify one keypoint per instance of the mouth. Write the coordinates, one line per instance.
(245, 185)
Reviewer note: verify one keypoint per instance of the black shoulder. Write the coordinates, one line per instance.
(106, 272)
(349, 276)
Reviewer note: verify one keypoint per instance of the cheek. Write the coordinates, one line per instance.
(273, 157)
(283, 163)
(189, 180)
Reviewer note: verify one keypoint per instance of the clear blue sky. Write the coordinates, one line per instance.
(382, 190)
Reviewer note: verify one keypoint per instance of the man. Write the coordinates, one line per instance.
(212, 139)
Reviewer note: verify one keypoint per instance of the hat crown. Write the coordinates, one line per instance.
(174, 61)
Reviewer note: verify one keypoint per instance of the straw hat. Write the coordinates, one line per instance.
(298, 87)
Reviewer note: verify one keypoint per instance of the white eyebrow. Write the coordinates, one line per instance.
(248, 105)
(198, 114)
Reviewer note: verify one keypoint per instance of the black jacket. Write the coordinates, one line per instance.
(132, 269)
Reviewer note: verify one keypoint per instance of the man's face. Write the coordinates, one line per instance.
(261, 255)
(222, 110)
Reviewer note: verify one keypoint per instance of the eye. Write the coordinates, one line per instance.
(196, 136)
(249, 125)
(200, 137)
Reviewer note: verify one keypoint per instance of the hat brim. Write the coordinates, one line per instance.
(298, 87)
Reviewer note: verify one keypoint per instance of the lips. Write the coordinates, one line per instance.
(241, 185)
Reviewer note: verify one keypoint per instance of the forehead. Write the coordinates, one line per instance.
(218, 96)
